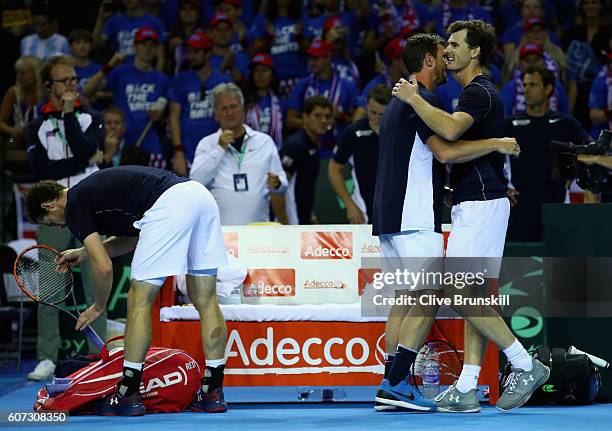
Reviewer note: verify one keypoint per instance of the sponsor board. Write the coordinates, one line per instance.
(326, 245)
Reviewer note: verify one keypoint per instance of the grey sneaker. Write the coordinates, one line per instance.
(520, 384)
(453, 401)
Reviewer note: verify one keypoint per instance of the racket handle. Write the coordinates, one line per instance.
(595, 359)
(94, 337)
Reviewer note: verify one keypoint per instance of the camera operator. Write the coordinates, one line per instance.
(530, 175)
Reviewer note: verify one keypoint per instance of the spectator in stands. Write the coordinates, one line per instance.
(535, 32)
(240, 166)
(415, 16)
(266, 110)
(358, 145)
(530, 175)
(233, 9)
(337, 34)
(45, 42)
(454, 10)
(114, 137)
(281, 31)
(512, 13)
(187, 23)
(600, 101)
(191, 113)
(63, 145)
(531, 12)
(323, 81)
(136, 86)
(513, 93)
(19, 104)
(222, 58)
(332, 16)
(394, 70)
(120, 29)
(586, 45)
(301, 159)
(81, 44)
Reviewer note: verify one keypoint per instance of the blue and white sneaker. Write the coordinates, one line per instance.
(403, 395)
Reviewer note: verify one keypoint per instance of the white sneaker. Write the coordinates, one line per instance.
(44, 371)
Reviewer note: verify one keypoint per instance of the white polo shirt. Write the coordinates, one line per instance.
(216, 169)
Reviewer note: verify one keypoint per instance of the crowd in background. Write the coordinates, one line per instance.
(152, 67)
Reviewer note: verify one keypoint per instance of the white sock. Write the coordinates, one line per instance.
(214, 363)
(468, 379)
(133, 365)
(518, 356)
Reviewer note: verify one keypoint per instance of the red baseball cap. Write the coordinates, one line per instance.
(219, 18)
(394, 48)
(262, 58)
(531, 48)
(146, 33)
(199, 40)
(319, 48)
(331, 22)
(530, 22)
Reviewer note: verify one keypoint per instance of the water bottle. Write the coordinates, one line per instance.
(431, 374)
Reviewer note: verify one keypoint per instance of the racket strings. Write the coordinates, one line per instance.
(37, 271)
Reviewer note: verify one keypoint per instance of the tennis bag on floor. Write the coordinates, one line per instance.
(574, 379)
(170, 380)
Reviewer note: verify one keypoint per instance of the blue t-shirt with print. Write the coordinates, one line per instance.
(348, 93)
(134, 92)
(241, 61)
(197, 119)
(284, 49)
(120, 30)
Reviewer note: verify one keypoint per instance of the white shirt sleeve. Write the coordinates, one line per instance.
(206, 160)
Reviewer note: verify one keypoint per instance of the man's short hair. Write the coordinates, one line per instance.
(45, 72)
(80, 34)
(417, 47)
(40, 193)
(479, 33)
(115, 110)
(380, 93)
(226, 88)
(548, 78)
(316, 101)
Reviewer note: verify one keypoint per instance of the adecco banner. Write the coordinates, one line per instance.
(292, 353)
(308, 353)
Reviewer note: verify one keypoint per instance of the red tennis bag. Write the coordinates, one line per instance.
(170, 380)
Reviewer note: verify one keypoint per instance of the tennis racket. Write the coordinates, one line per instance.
(42, 279)
(448, 358)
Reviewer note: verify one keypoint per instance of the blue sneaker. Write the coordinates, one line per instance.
(403, 395)
(117, 405)
(212, 402)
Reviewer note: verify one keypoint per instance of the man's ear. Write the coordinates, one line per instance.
(476, 52)
(429, 60)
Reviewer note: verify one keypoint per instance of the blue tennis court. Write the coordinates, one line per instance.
(16, 394)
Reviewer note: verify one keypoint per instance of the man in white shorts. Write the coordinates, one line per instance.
(173, 225)
(479, 214)
(408, 214)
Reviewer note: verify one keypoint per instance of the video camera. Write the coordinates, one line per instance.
(590, 177)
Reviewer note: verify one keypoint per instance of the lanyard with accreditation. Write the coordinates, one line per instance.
(240, 179)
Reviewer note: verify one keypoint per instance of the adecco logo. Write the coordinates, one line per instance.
(370, 249)
(365, 276)
(272, 353)
(266, 249)
(269, 282)
(327, 245)
(231, 243)
(327, 284)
